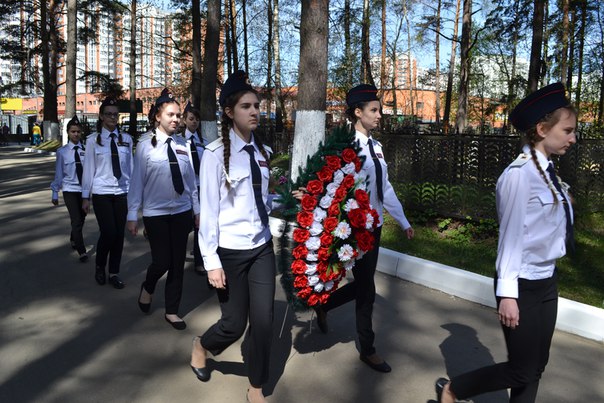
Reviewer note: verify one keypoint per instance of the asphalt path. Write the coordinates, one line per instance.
(63, 338)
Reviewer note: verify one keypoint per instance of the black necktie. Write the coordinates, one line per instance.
(78, 164)
(570, 237)
(115, 158)
(257, 184)
(194, 155)
(175, 169)
(378, 171)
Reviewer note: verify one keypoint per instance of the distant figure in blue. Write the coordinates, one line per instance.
(535, 229)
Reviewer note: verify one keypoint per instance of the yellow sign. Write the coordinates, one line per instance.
(11, 104)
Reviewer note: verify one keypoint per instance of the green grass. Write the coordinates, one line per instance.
(474, 248)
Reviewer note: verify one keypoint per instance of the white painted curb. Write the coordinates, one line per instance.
(573, 317)
(34, 150)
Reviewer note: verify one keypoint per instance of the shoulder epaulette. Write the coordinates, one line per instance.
(268, 149)
(521, 160)
(214, 145)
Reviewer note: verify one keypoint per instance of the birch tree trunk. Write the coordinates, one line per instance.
(312, 77)
(564, 52)
(437, 64)
(70, 66)
(132, 63)
(462, 105)
(207, 105)
(276, 54)
(449, 94)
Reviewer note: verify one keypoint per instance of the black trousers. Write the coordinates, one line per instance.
(528, 347)
(167, 236)
(73, 202)
(362, 290)
(250, 292)
(110, 212)
(196, 251)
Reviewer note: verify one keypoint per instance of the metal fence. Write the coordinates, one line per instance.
(455, 175)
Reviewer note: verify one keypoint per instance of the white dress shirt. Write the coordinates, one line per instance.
(199, 145)
(532, 228)
(151, 184)
(98, 172)
(66, 177)
(230, 218)
(391, 202)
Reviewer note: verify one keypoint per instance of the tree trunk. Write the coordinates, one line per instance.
(196, 52)
(269, 62)
(276, 54)
(245, 48)
(132, 84)
(227, 35)
(50, 42)
(312, 77)
(409, 64)
(449, 95)
(564, 52)
(70, 65)
(24, 55)
(383, 58)
(537, 43)
(600, 120)
(571, 52)
(437, 64)
(366, 76)
(207, 105)
(464, 61)
(544, 71)
(347, 45)
(583, 6)
(233, 24)
(512, 82)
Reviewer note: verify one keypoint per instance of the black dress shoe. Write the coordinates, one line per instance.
(143, 307)
(321, 319)
(381, 367)
(116, 282)
(99, 276)
(203, 374)
(178, 325)
(439, 386)
(83, 257)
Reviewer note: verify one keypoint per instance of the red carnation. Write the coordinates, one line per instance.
(348, 155)
(340, 194)
(376, 218)
(365, 240)
(298, 266)
(304, 293)
(323, 298)
(321, 267)
(333, 161)
(301, 235)
(313, 300)
(348, 181)
(362, 198)
(357, 218)
(357, 164)
(325, 174)
(326, 239)
(314, 187)
(305, 218)
(309, 202)
(333, 210)
(324, 277)
(330, 223)
(323, 254)
(300, 282)
(300, 251)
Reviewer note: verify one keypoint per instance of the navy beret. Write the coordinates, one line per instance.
(165, 96)
(238, 81)
(190, 107)
(108, 102)
(538, 104)
(361, 93)
(73, 121)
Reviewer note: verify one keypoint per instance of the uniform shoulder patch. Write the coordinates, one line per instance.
(521, 160)
(214, 145)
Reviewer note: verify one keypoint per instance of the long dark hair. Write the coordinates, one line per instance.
(227, 124)
(350, 111)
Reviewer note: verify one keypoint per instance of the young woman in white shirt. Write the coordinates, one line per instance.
(68, 177)
(364, 113)
(195, 142)
(234, 236)
(535, 229)
(163, 184)
(106, 181)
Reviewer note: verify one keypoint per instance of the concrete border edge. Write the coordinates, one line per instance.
(573, 317)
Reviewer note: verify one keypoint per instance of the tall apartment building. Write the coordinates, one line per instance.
(403, 71)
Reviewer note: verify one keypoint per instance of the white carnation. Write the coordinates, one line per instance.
(362, 185)
(369, 222)
(313, 243)
(319, 287)
(316, 228)
(331, 189)
(351, 204)
(348, 169)
(312, 257)
(313, 280)
(319, 214)
(343, 230)
(328, 285)
(349, 265)
(345, 253)
(310, 269)
(338, 177)
(325, 201)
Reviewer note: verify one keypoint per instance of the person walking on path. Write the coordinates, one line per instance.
(163, 184)
(19, 133)
(234, 236)
(364, 113)
(535, 229)
(36, 134)
(106, 181)
(68, 177)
